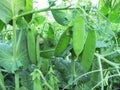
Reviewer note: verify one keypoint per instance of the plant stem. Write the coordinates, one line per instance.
(16, 80)
(14, 47)
(45, 81)
(101, 73)
(73, 68)
(14, 38)
(106, 60)
(42, 10)
(73, 71)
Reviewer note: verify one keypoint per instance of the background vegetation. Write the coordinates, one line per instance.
(78, 50)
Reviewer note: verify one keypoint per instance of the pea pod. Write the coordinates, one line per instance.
(63, 42)
(37, 85)
(89, 50)
(31, 46)
(78, 34)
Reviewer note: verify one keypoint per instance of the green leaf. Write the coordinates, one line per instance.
(29, 7)
(1, 25)
(115, 17)
(110, 8)
(78, 34)
(104, 7)
(38, 19)
(63, 42)
(18, 5)
(6, 9)
(6, 58)
(61, 17)
(89, 50)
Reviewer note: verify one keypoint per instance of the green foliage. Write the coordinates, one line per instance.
(110, 8)
(61, 17)
(29, 7)
(79, 50)
(6, 9)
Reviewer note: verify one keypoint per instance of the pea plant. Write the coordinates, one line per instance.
(77, 50)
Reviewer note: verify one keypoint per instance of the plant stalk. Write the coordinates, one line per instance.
(73, 71)
(14, 54)
(16, 80)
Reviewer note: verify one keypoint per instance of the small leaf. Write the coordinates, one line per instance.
(89, 50)
(78, 34)
(1, 25)
(38, 19)
(29, 7)
(61, 17)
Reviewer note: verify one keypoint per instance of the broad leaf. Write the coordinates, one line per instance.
(19, 6)
(6, 58)
(6, 9)
(89, 50)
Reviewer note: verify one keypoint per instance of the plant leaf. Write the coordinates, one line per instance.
(61, 17)
(6, 9)
(89, 50)
(1, 25)
(29, 7)
(6, 58)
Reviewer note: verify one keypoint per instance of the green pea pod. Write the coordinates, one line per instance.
(37, 84)
(31, 46)
(63, 42)
(78, 34)
(89, 50)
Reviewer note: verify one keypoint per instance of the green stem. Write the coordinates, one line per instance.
(16, 80)
(106, 60)
(73, 68)
(45, 81)
(14, 54)
(73, 71)
(14, 38)
(14, 48)
(101, 73)
(42, 10)
(88, 73)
